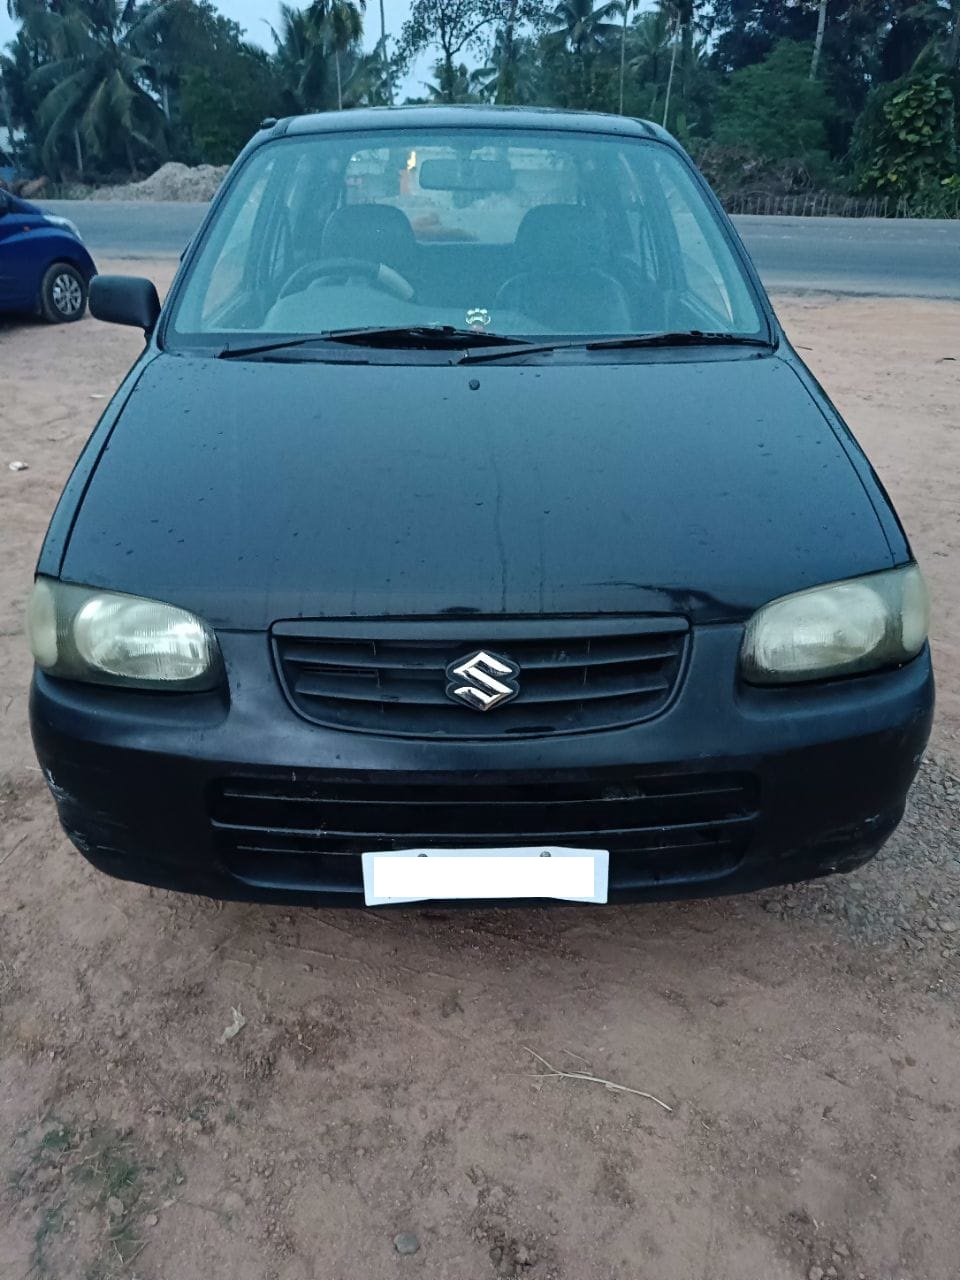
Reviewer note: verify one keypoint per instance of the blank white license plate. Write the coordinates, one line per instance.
(541, 871)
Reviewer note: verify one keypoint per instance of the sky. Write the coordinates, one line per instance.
(254, 15)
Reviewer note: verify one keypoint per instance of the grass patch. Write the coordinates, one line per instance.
(48, 1228)
(110, 1171)
(80, 1179)
(60, 1138)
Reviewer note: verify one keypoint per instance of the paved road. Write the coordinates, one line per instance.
(127, 229)
(886, 256)
(865, 255)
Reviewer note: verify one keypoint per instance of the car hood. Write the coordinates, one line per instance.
(251, 492)
(19, 205)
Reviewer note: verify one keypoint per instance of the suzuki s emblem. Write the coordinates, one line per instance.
(483, 681)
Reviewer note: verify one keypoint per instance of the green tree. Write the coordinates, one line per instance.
(220, 109)
(451, 25)
(775, 110)
(454, 27)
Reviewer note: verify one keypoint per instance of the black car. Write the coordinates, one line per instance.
(469, 529)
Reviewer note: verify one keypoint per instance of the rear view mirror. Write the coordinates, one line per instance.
(478, 176)
(125, 300)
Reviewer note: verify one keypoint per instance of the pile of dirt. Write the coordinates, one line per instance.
(172, 181)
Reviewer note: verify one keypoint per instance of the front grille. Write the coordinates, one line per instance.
(659, 829)
(390, 678)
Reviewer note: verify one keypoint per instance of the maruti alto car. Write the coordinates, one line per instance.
(469, 529)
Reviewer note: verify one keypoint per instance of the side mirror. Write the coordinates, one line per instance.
(4, 202)
(125, 300)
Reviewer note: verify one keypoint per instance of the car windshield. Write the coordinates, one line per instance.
(500, 231)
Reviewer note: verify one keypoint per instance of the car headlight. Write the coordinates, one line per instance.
(861, 624)
(82, 633)
(65, 223)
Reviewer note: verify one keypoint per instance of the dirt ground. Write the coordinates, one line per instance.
(806, 1041)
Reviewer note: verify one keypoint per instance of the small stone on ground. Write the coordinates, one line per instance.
(406, 1242)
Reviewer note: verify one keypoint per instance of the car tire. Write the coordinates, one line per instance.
(63, 294)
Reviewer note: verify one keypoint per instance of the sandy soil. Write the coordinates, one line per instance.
(382, 1082)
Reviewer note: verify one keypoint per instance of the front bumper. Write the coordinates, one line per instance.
(236, 796)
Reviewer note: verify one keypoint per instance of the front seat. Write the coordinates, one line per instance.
(560, 282)
(372, 233)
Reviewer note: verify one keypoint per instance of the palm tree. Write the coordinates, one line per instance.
(627, 6)
(682, 14)
(577, 26)
(166, 34)
(581, 26)
(318, 59)
(651, 43)
(384, 59)
(447, 87)
(299, 61)
(510, 75)
(341, 25)
(92, 90)
(818, 42)
(674, 42)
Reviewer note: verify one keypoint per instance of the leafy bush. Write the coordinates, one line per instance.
(775, 110)
(733, 171)
(906, 140)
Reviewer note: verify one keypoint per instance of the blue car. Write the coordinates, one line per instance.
(44, 267)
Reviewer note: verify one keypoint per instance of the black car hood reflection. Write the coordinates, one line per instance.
(251, 492)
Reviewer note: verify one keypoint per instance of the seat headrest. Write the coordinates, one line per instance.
(372, 232)
(560, 236)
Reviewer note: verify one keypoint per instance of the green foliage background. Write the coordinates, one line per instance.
(778, 97)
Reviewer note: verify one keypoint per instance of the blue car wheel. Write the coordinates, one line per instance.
(63, 294)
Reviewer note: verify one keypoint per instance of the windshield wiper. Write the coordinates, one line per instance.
(425, 337)
(681, 338)
(492, 346)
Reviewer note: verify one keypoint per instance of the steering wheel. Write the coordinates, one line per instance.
(523, 291)
(521, 281)
(376, 273)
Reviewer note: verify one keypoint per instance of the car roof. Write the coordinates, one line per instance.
(474, 117)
